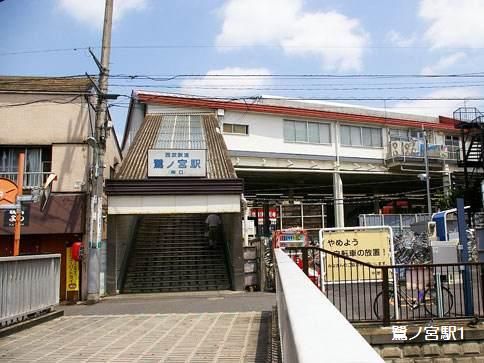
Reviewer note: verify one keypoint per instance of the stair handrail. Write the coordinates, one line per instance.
(124, 263)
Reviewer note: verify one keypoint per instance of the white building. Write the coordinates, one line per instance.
(306, 164)
(340, 154)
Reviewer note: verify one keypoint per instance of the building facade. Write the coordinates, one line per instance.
(355, 159)
(302, 164)
(50, 119)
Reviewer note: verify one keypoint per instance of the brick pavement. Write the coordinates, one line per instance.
(205, 337)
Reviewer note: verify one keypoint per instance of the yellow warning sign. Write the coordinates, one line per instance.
(72, 272)
(370, 246)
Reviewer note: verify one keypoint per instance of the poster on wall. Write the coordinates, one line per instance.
(72, 272)
(371, 246)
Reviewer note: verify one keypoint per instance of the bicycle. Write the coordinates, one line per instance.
(427, 299)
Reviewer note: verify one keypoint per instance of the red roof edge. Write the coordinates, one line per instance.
(447, 120)
(444, 123)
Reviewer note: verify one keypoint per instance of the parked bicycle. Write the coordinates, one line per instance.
(427, 298)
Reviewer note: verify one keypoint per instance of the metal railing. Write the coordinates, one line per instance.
(31, 178)
(398, 222)
(411, 150)
(363, 292)
(29, 285)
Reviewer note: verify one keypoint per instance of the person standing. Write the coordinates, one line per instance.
(214, 224)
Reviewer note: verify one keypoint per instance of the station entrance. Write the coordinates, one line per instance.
(308, 199)
(171, 253)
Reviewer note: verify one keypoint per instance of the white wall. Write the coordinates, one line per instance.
(69, 163)
(43, 123)
(266, 135)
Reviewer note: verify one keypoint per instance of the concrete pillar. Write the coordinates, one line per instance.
(111, 252)
(446, 180)
(339, 215)
(237, 253)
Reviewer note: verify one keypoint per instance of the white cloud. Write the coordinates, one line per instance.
(453, 23)
(444, 63)
(92, 11)
(335, 38)
(399, 40)
(444, 107)
(214, 84)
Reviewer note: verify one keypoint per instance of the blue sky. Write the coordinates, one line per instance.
(260, 37)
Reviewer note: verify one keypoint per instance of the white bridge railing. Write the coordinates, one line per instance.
(28, 285)
(311, 328)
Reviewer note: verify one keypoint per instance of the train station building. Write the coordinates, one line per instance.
(282, 163)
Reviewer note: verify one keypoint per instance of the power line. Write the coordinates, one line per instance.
(168, 77)
(40, 101)
(220, 46)
(283, 88)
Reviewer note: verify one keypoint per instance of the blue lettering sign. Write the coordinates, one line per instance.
(182, 163)
(158, 163)
(195, 163)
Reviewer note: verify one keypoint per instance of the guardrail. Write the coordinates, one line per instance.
(363, 292)
(29, 285)
(311, 328)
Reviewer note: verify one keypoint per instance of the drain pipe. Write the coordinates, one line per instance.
(245, 210)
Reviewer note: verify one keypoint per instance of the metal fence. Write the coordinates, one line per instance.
(398, 222)
(363, 292)
(29, 285)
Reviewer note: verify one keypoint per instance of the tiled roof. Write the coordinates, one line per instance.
(135, 166)
(45, 84)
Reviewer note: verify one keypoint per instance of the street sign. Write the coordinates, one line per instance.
(177, 163)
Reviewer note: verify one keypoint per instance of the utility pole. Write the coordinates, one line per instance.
(427, 174)
(97, 179)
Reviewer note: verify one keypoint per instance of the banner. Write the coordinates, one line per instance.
(72, 272)
(370, 246)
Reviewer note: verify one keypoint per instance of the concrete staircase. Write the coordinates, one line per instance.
(171, 253)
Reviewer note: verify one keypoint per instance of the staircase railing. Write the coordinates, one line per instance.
(127, 254)
(227, 258)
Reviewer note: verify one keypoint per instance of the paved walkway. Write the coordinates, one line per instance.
(167, 303)
(129, 334)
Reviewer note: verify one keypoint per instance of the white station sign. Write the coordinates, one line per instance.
(177, 163)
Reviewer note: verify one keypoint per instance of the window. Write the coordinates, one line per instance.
(410, 134)
(236, 129)
(451, 140)
(37, 164)
(452, 143)
(360, 136)
(307, 132)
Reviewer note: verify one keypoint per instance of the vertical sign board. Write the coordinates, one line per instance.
(72, 272)
(371, 246)
(177, 163)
